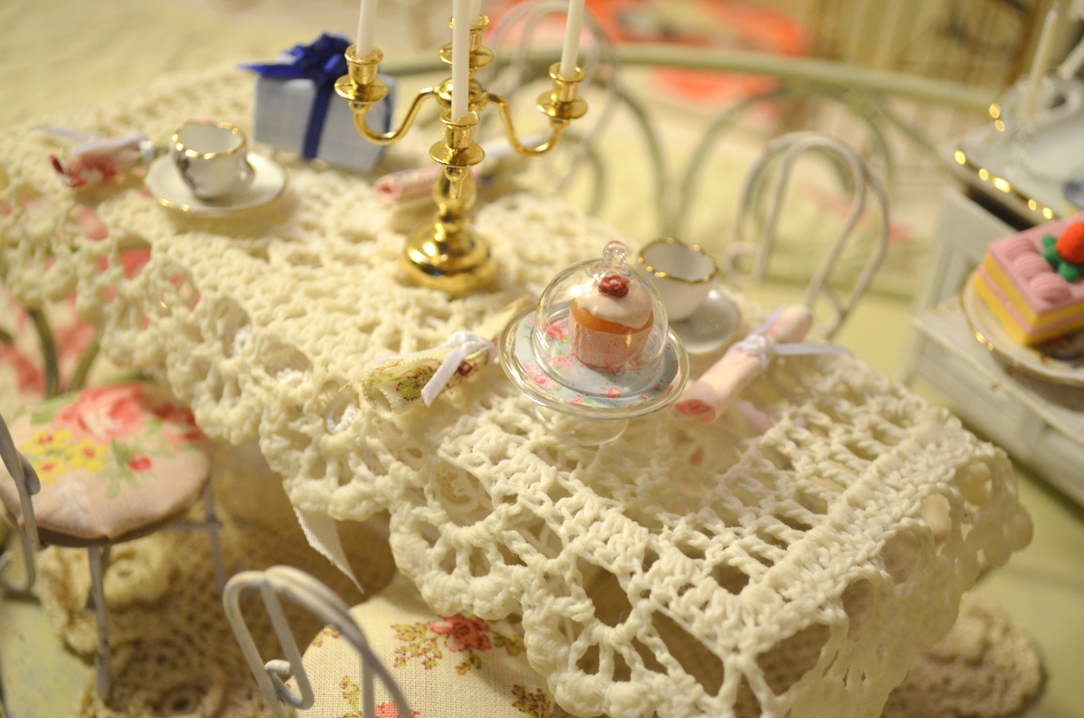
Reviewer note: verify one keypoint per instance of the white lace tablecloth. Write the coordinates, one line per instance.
(680, 570)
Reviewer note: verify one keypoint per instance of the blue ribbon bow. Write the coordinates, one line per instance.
(322, 63)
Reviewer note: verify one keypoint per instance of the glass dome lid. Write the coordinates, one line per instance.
(598, 343)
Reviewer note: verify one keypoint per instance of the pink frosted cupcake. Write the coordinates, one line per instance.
(610, 323)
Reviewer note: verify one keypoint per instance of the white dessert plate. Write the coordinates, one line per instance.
(1060, 360)
(165, 184)
(713, 323)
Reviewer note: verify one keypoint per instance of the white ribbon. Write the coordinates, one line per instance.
(463, 344)
(88, 142)
(757, 345)
(763, 349)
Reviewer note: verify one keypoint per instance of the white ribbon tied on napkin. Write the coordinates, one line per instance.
(463, 344)
(710, 395)
(392, 385)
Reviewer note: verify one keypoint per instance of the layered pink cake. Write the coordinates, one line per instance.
(610, 322)
(1032, 281)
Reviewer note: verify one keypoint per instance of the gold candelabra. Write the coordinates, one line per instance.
(448, 254)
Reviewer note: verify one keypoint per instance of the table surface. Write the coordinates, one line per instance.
(680, 568)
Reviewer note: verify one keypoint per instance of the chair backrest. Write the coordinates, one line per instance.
(308, 593)
(581, 147)
(783, 152)
(27, 484)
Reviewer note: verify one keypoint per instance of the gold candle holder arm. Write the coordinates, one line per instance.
(363, 89)
(561, 105)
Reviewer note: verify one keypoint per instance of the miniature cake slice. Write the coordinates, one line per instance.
(1033, 281)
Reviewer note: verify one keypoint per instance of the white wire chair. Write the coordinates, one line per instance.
(308, 593)
(27, 484)
(33, 533)
(782, 153)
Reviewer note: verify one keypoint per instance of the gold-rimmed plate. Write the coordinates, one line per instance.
(1060, 360)
(165, 184)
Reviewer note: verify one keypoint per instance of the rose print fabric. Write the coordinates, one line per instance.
(446, 666)
(112, 460)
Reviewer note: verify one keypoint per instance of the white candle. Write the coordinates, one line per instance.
(572, 38)
(1041, 64)
(460, 57)
(363, 45)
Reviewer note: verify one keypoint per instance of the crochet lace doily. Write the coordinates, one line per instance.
(176, 655)
(680, 570)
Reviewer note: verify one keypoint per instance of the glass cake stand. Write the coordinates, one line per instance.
(588, 375)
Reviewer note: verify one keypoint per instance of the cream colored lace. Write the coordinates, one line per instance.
(682, 569)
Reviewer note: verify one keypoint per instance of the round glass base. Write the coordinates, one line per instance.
(580, 430)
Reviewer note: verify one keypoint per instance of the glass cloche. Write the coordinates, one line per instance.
(596, 347)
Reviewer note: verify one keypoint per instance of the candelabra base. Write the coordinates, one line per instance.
(456, 263)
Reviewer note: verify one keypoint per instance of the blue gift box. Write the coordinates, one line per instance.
(296, 107)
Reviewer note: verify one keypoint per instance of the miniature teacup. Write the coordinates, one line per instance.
(683, 274)
(212, 158)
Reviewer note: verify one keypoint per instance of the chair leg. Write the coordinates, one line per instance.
(213, 526)
(29, 568)
(99, 557)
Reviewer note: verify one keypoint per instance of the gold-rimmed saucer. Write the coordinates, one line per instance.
(166, 186)
(714, 323)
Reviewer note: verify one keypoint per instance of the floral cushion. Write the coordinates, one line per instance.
(113, 462)
(451, 666)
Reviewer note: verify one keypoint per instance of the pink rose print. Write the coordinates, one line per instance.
(132, 260)
(351, 693)
(180, 423)
(613, 391)
(105, 412)
(463, 634)
(89, 222)
(555, 331)
(13, 311)
(139, 462)
(387, 709)
(564, 360)
(538, 376)
(28, 377)
(73, 338)
(427, 642)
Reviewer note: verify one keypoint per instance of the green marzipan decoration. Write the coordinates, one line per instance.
(1069, 272)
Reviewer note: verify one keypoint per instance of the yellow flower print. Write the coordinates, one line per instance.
(49, 469)
(45, 441)
(87, 455)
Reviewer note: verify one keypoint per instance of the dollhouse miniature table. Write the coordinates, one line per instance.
(682, 569)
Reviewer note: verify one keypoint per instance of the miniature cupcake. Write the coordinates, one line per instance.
(610, 323)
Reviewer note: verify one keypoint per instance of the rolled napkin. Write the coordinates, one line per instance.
(709, 396)
(418, 182)
(410, 184)
(94, 159)
(393, 385)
